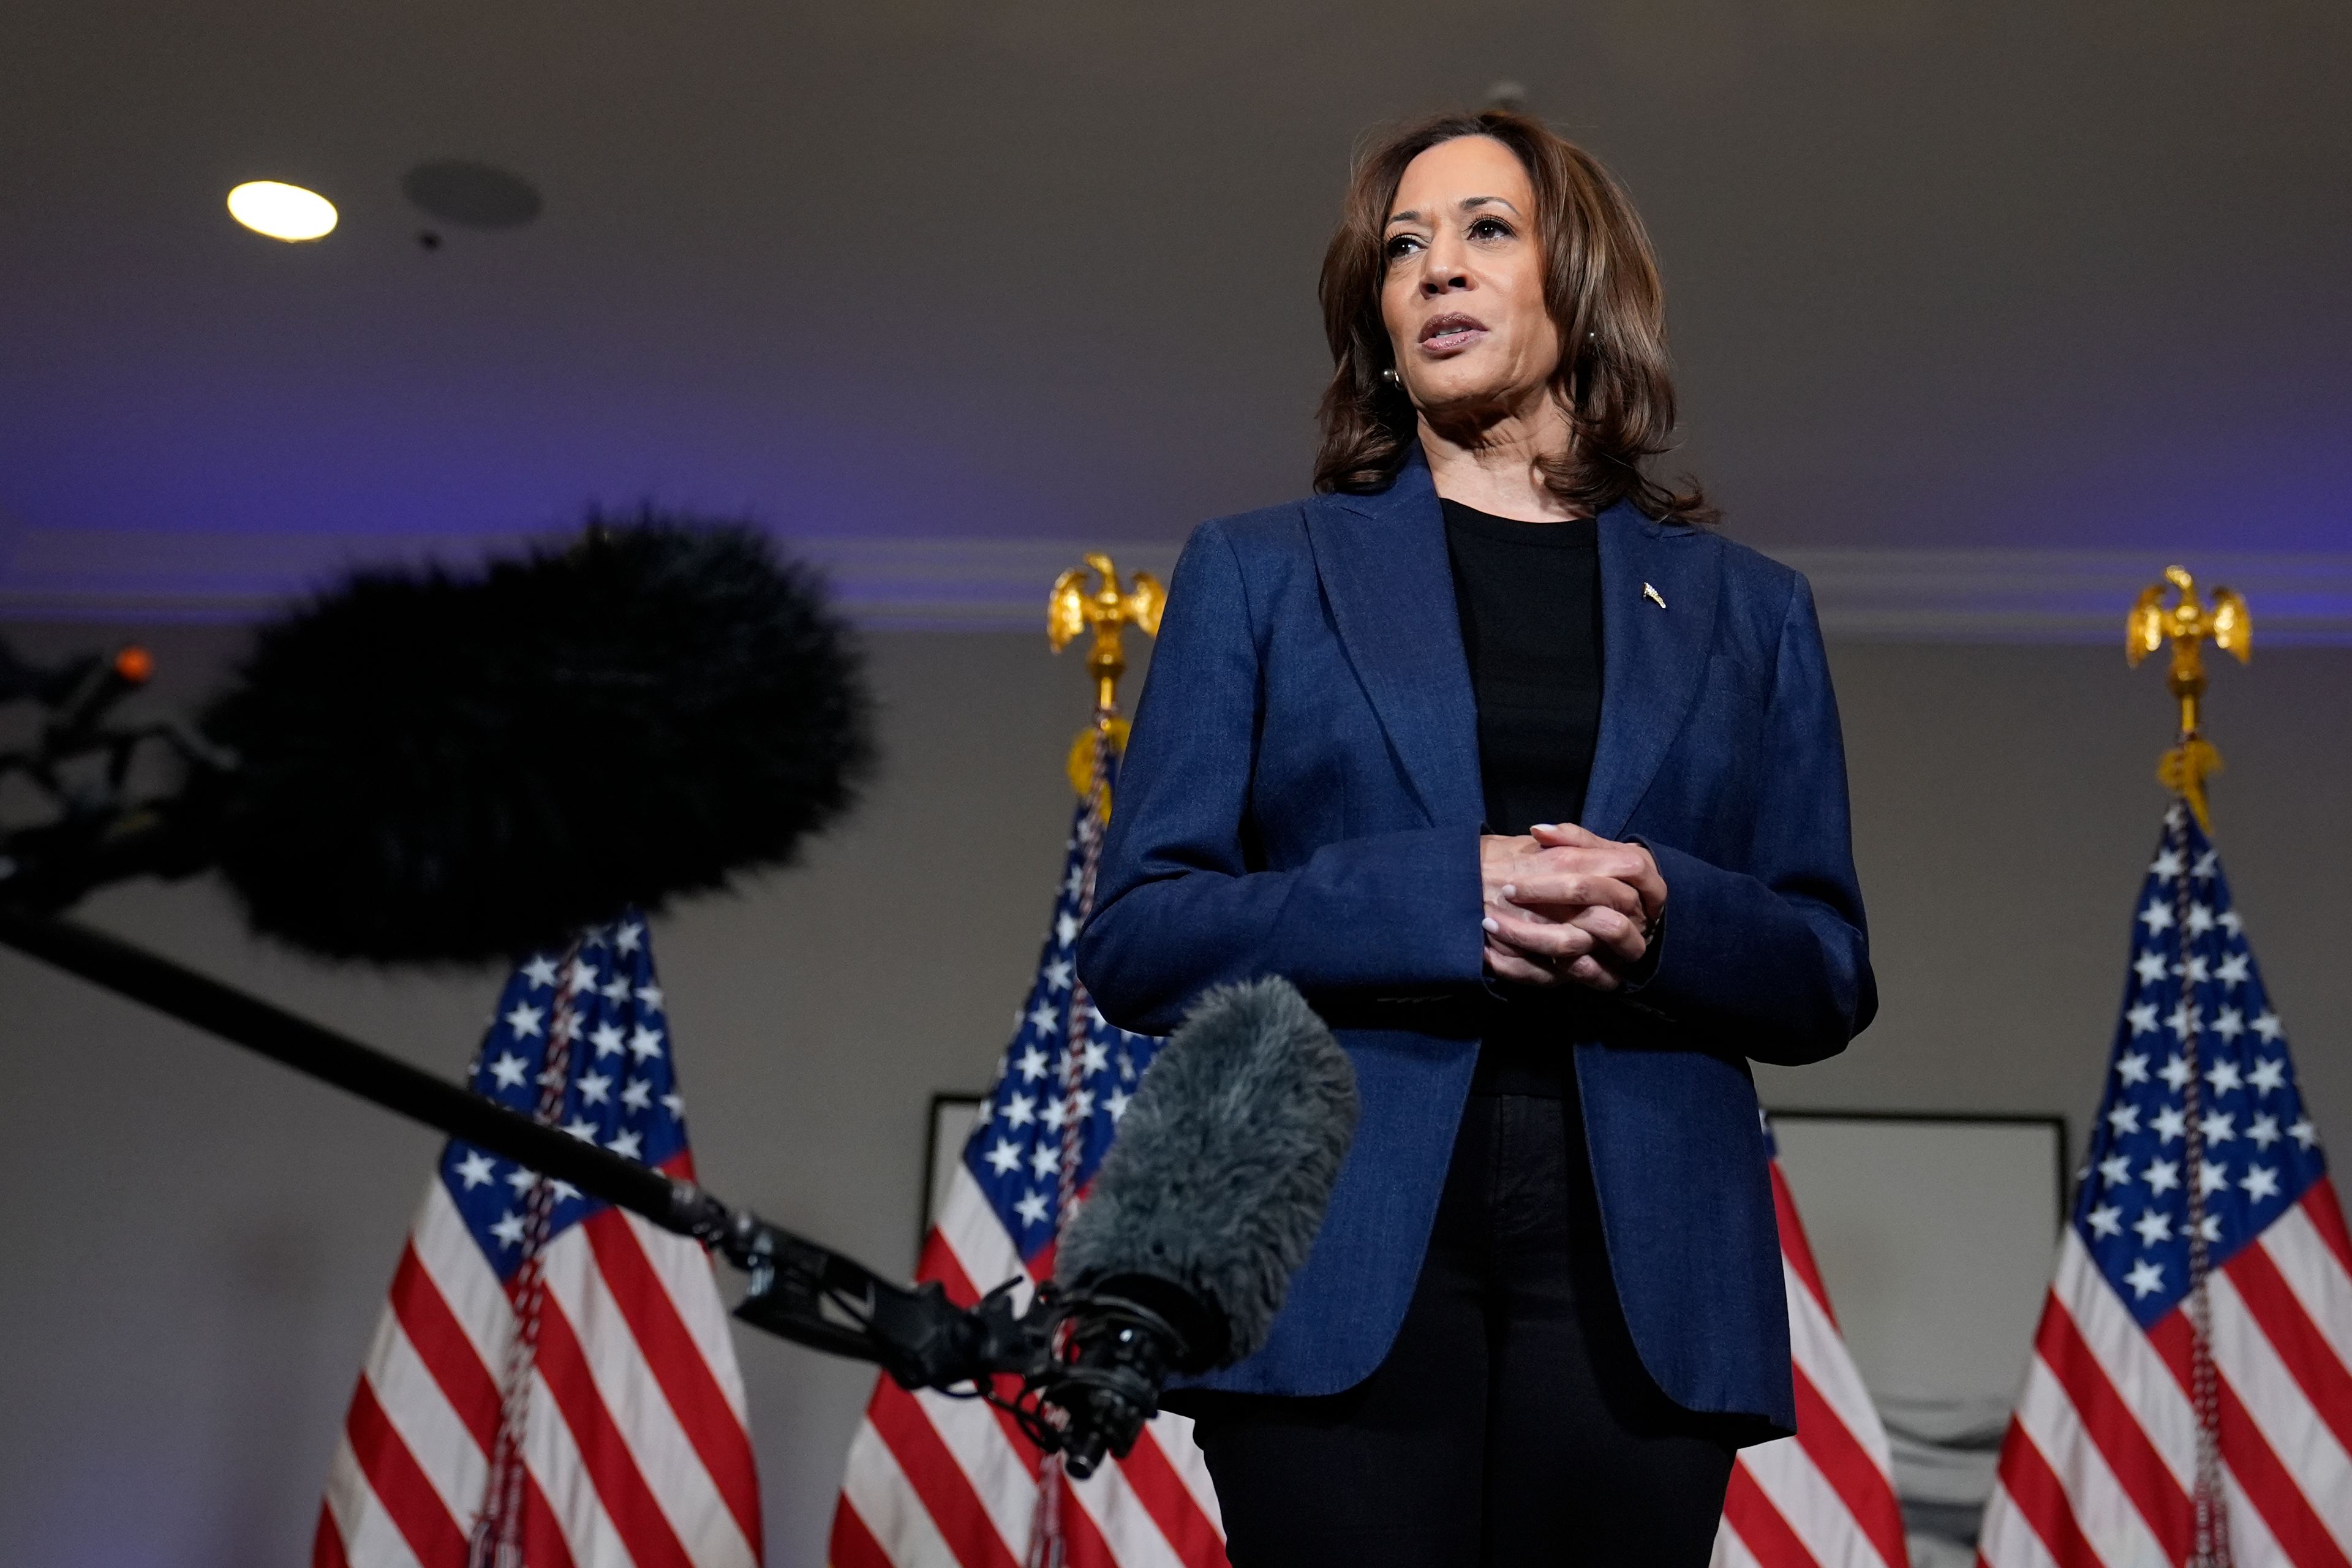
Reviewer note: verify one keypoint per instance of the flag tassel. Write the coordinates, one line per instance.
(2210, 1507)
(497, 1537)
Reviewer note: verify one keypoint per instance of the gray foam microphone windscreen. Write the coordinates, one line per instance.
(1225, 1161)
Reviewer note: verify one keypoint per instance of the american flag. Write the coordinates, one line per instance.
(2152, 1412)
(553, 1382)
(937, 1482)
(1826, 1496)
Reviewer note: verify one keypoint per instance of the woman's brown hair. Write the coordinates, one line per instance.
(1600, 285)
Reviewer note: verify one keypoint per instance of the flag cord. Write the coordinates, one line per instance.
(1047, 1547)
(497, 1539)
(2212, 1525)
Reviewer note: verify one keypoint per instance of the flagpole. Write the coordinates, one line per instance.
(2187, 625)
(1107, 611)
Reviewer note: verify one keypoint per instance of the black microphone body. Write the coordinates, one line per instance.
(1169, 1275)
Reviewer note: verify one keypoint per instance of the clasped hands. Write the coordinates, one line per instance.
(1565, 905)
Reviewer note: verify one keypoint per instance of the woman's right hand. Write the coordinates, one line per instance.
(1551, 915)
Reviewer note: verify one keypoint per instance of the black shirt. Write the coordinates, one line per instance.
(1529, 598)
(1528, 595)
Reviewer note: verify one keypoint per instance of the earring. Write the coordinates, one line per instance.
(1392, 377)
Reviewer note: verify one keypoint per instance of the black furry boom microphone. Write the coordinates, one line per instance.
(1207, 1201)
(439, 767)
(429, 765)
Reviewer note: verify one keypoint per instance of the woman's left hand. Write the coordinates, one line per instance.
(1539, 933)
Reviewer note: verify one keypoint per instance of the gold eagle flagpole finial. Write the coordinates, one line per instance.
(2187, 625)
(1107, 610)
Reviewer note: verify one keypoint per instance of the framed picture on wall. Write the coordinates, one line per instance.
(1935, 1235)
(949, 1128)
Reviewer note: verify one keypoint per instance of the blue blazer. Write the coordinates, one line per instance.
(1301, 797)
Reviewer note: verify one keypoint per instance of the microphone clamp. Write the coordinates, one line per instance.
(1091, 1363)
(1110, 1357)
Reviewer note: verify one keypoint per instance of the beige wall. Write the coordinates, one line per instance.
(197, 1242)
(2005, 809)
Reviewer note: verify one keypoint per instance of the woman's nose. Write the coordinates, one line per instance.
(1440, 272)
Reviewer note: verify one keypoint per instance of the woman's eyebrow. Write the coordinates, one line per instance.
(1465, 204)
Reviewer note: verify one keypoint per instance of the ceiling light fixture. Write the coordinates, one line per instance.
(281, 211)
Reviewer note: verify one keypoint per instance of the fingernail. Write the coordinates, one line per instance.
(1543, 827)
(1491, 923)
(1510, 890)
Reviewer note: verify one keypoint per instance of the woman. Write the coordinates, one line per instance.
(1534, 784)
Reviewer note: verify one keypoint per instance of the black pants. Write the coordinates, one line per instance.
(1512, 1424)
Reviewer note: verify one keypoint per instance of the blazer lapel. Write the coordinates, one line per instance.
(1658, 590)
(1382, 562)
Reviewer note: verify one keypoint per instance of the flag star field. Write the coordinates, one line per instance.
(1043, 1106)
(621, 1092)
(2260, 1151)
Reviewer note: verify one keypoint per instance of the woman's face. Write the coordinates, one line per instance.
(1462, 298)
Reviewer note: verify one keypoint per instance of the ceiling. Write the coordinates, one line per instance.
(2014, 274)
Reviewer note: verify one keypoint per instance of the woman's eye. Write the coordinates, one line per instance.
(1400, 246)
(1490, 228)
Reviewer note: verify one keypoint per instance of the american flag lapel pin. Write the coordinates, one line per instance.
(1655, 597)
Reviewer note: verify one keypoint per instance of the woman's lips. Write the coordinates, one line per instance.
(1451, 333)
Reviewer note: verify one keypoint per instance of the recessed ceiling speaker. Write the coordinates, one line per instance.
(470, 195)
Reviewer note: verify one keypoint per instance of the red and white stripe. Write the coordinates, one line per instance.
(636, 1449)
(934, 1482)
(2100, 1461)
(1826, 1496)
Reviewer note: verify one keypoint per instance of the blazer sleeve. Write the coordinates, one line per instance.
(1774, 961)
(1183, 901)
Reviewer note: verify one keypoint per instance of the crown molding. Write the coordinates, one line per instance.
(2061, 595)
(999, 585)
(140, 576)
